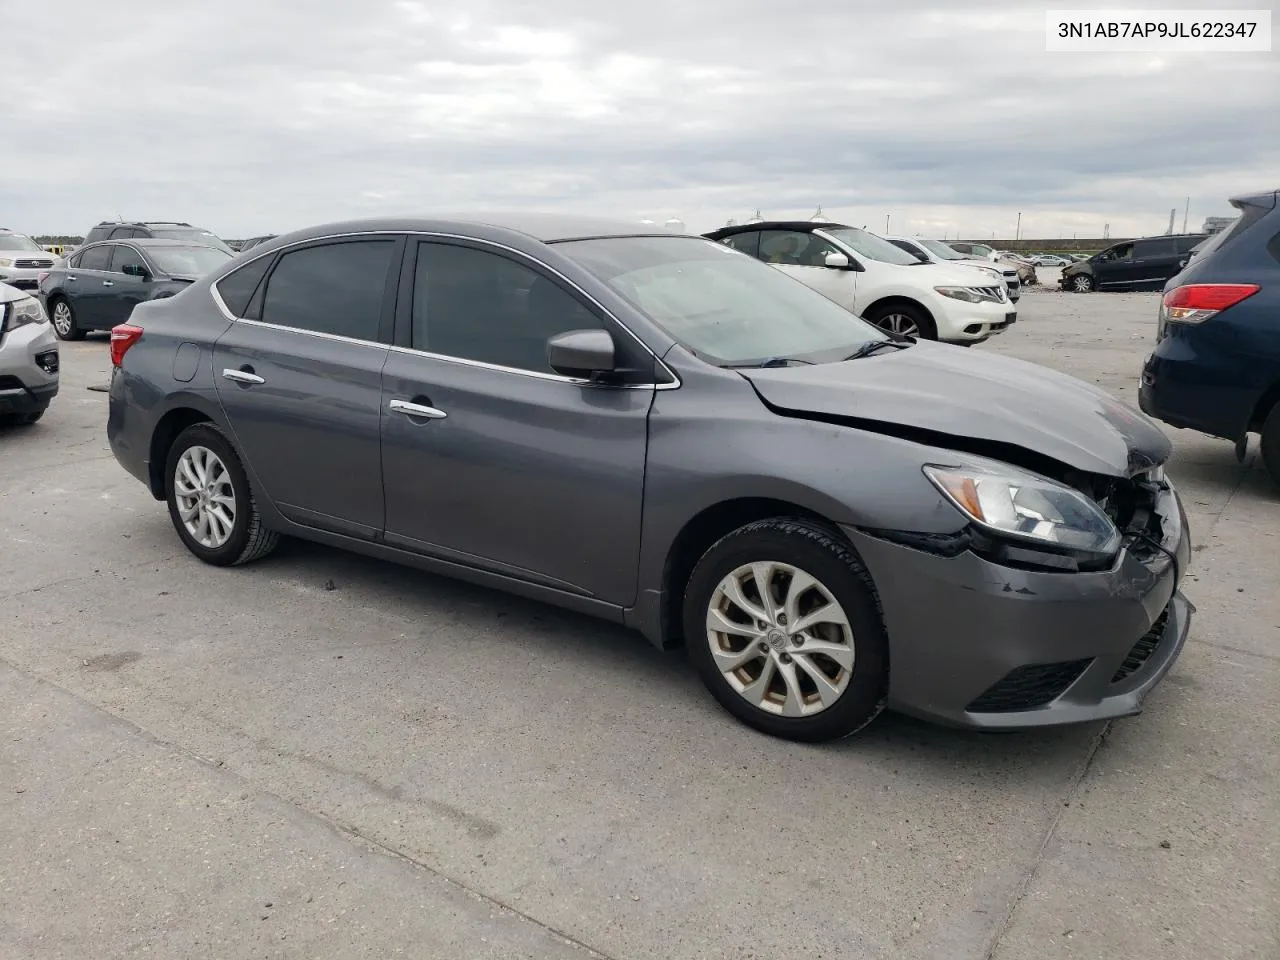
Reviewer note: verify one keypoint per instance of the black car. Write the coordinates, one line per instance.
(99, 285)
(1145, 264)
(155, 229)
(1216, 364)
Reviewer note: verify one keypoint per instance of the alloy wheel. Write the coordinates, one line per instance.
(780, 638)
(899, 323)
(62, 321)
(205, 497)
(1082, 284)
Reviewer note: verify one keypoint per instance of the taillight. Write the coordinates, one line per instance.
(1197, 302)
(123, 336)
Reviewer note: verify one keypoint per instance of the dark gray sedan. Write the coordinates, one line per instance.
(661, 431)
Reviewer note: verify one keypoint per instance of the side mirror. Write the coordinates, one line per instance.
(836, 261)
(135, 270)
(581, 353)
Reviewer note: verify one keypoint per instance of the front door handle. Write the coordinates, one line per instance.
(108, 283)
(70, 279)
(416, 410)
(241, 376)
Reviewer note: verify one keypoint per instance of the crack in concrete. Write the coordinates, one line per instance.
(347, 832)
(1024, 885)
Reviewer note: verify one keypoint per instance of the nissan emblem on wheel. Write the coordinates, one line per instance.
(832, 515)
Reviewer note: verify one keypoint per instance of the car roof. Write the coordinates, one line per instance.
(806, 226)
(546, 227)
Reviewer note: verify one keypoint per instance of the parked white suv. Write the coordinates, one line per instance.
(935, 251)
(877, 281)
(28, 358)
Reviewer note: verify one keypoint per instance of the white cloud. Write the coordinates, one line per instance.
(264, 115)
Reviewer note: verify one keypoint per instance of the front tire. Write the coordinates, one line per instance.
(783, 626)
(1081, 283)
(905, 319)
(63, 318)
(1270, 446)
(210, 502)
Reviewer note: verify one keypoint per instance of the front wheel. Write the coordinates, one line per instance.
(782, 624)
(904, 319)
(1081, 283)
(210, 502)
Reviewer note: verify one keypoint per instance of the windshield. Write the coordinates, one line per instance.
(725, 306)
(940, 249)
(191, 262)
(14, 241)
(191, 233)
(871, 246)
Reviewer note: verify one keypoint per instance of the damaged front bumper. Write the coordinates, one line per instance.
(978, 644)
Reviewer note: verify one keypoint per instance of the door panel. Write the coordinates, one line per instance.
(522, 475)
(305, 400)
(126, 291)
(527, 472)
(89, 292)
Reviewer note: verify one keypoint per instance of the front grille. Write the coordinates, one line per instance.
(1143, 649)
(1028, 687)
(32, 264)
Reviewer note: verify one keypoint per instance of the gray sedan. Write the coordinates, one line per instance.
(656, 429)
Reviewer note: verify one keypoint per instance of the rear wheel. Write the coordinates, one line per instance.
(63, 318)
(1270, 445)
(782, 623)
(905, 319)
(210, 502)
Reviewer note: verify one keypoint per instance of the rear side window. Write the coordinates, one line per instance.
(1154, 248)
(237, 288)
(335, 288)
(746, 242)
(1187, 244)
(96, 234)
(96, 258)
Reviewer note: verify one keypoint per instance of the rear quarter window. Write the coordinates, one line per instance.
(238, 287)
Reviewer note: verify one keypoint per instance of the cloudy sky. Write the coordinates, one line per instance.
(249, 116)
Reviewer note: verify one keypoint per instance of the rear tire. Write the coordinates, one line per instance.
(1270, 445)
(210, 502)
(901, 317)
(824, 623)
(63, 318)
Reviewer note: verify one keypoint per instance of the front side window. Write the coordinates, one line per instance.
(123, 256)
(795, 247)
(476, 305)
(1122, 252)
(333, 288)
(97, 258)
(724, 308)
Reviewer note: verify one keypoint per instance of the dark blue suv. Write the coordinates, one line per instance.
(1216, 365)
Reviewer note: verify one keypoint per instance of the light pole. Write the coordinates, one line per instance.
(886, 223)
(1017, 234)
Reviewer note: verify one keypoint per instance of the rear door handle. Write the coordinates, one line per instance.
(416, 410)
(70, 279)
(241, 376)
(108, 283)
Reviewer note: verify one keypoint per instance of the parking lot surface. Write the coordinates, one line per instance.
(321, 755)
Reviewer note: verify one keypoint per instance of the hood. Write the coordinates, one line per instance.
(932, 389)
(8, 294)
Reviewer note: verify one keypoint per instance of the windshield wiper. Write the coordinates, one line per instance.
(871, 346)
(768, 362)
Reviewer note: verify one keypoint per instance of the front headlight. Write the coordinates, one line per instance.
(968, 294)
(5, 262)
(19, 313)
(1027, 507)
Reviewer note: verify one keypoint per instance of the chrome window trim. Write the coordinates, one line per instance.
(675, 383)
